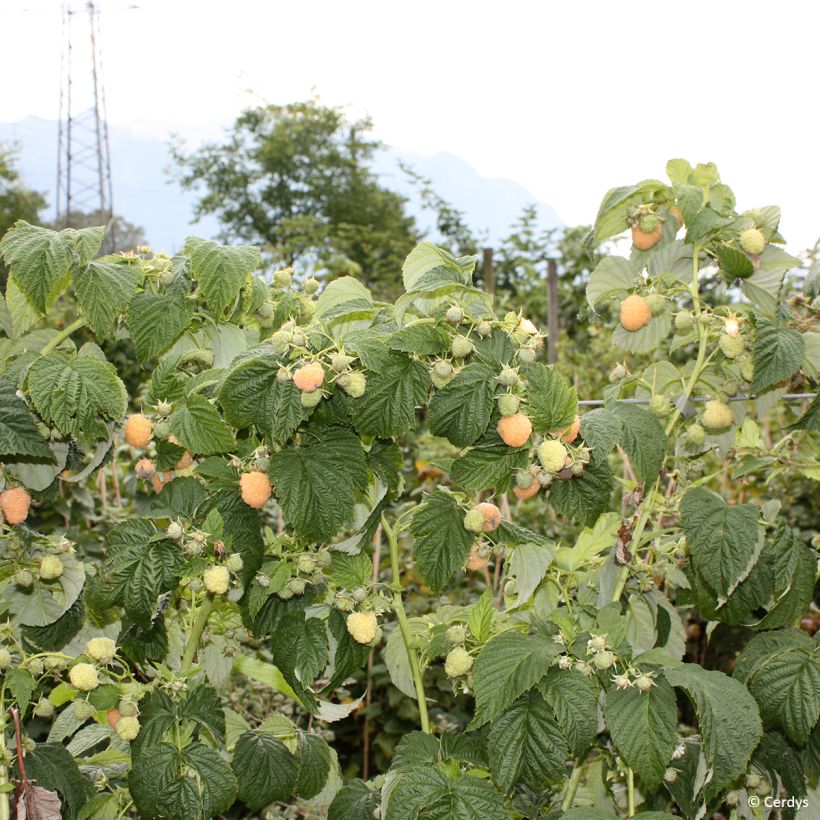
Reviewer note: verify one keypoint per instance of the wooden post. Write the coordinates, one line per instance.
(552, 311)
(488, 272)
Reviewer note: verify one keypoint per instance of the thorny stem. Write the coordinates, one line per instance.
(572, 785)
(63, 335)
(5, 805)
(196, 633)
(398, 605)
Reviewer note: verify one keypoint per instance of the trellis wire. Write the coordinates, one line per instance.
(785, 397)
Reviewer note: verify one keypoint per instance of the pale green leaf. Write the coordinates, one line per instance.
(105, 290)
(200, 428)
(221, 270)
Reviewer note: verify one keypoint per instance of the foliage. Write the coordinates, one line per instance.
(179, 647)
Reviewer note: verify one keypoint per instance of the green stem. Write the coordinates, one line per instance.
(196, 633)
(5, 805)
(637, 533)
(398, 605)
(630, 791)
(572, 785)
(63, 335)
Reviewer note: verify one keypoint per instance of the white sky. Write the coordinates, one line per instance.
(566, 98)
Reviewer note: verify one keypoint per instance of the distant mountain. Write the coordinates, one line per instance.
(144, 196)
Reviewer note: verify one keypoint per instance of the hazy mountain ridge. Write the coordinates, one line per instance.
(144, 195)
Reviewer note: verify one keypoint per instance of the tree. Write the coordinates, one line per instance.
(296, 179)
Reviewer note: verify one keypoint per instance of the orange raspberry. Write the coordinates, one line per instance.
(145, 468)
(309, 377)
(635, 312)
(15, 503)
(569, 434)
(514, 430)
(475, 563)
(186, 458)
(492, 516)
(644, 240)
(159, 480)
(676, 212)
(522, 494)
(113, 717)
(255, 488)
(138, 430)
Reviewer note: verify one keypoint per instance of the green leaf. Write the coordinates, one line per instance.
(180, 497)
(734, 263)
(104, 289)
(507, 665)
(585, 497)
(21, 685)
(204, 706)
(156, 322)
(54, 636)
(782, 671)
(645, 340)
(428, 264)
(528, 566)
(643, 439)
(795, 573)
(781, 757)
(421, 338)
(721, 539)
(46, 601)
(461, 411)
(388, 407)
(342, 297)
(39, 260)
(314, 765)
(265, 770)
(350, 654)
(221, 270)
(19, 435)
(350, 571)
(552, 403)
(643, 726)
(53, 767)
(574, 700)
(489, 464)
(441, 544)
(727, 716)
(613, 278)
(73, 392)
(601, 431)
(525, 744)
(317, 481)
(200, 428)
(777, 353)
(354, 801)
(251, 394)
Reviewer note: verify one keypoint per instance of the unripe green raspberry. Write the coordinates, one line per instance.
(162, 429)
(36, 667)
(644, 682)
(732, 798)
(474, 520)
(311, 285)
(508, 377)
(732, 347)
(358, 594)
(458, 662)
(307, 310)
(127, 708)
(524, 479)
(128, 728)
(508, 404)
(454, 314)
(83, 709)
(175, 531)
(753, 781)
(296, 585)
(577, 468)
(657, 303)
(695, 435)
(456, 634)
(283, 375)
(286, 593)
(443, 369)
(544, 478)
(525, 355)
(280, 341)
(340, 362)
(5, 658)
(298, 338)
(747, 370)
(603, 660)
(55, 663)
(752, 241)
(670, 775)
(461, 347)
(23, 578)
(305, 564)
(648, 223)
(716, 415)
(483, 329)
(44, 708)
(354, 384)
(552, 454)
(266, 310)
(51, 567)
(164, 408)
(684, 321)
(597, 643)
(282, 278)
(617, 373)
(659, 406)
(234, 562)
(343, 603)
(309, 400)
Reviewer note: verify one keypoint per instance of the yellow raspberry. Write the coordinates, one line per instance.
(475, 561)
(145, 468)
(128, 728)
(83, 676)
(492, 516)
(15, 503)
(101, 649)
(570, 433)
(216, 579)
(635, 312)
(362, 626)
(717, 415)
(514, 430)
(159, 480)
(138, 430)
(458, 662)
(256, 489)
(552, 454)
(644, 240)
(185, 459)
(51, 567)
(309, 377)
(752, 241)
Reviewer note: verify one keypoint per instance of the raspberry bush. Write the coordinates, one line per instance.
(204, 524)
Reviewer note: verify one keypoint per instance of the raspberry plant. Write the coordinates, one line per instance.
(209, 514)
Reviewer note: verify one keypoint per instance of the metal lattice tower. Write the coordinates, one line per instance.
(83, 154)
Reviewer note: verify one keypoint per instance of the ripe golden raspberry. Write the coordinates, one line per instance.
(644, 240)
(51, 567)
(256, 488)
(362, 626)
(532, 485)
(83, 676)
(717, 415)
(676, 213)
(570, 433)
(128, 728)
(458, 662)
(101, 649)
(752, 241)
(138, 430)
(514, 430)
(476, 562)
(159, 480)
(145, 468)
(635, 312)
(492, 516)
(185, 459)
(113, 717)
(15, 503)
(309, 377)
(552, 454)
(216, 580)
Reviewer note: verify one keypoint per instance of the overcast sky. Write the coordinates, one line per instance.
(566, 98)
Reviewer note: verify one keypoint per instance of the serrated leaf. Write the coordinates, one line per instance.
(507, 665)
(601, 431)
(203, 705)
(645, 340)
(489, 464)
(461, 411)
(734, 263)
(21, 685)
(53, 767)
(777, 353)
(251, 394)
(220, 270)
(350, 654)
(782, 671)
(441, 544)
(46, 601)
(397, 660)
(721, 539)
(795, 597)
(584, 497)
(354, 801)
(199, 427)
(343, 296)
(528, 566)
(552, 403)
(156, 322)
(727, 716)
(574, 700)
(428, 263)
(422, 338)
(613, 278)
(388, 407)
(317, 481)
(643, 726)
(265, 770)
(19, 435)
(73, 392)
(314, 765)
(104, 289)
(526, 745)
(643, 438)
(54, 636)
